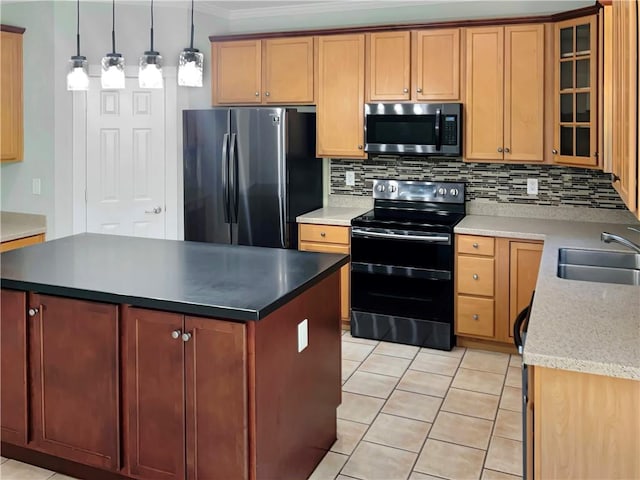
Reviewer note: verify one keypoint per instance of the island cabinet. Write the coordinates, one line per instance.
(278, 71)
(495, 278)
(11, 102)
(419, 65)
(504, 105)
(185, 384)
(340, 102)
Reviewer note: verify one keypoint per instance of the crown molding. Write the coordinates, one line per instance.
(213, 10)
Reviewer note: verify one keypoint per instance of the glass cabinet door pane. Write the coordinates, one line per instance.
(582, 142)
(583, 39)
(582, 73)
(566, 42)
(583, 107)
(566, 141)
(566, 107)
(566, 75)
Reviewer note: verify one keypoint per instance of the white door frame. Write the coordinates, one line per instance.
(172, 147)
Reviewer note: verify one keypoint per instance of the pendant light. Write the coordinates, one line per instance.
(150, 71)
(78, 77)
(113, 63)
(190, 63)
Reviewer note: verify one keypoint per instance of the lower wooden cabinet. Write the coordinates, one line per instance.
(75, 392)
(21, 242)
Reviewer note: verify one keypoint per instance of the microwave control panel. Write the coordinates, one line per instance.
(450, 130)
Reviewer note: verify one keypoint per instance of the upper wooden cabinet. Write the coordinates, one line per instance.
(263, 71)
(340, 106)
(11, 106)
(575, 92)
(421, 65)
(505, 93)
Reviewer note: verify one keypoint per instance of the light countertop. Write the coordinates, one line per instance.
(15, 225)
(332, 215)
(574, 325)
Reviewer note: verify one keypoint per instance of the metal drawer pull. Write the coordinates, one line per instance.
(186, 337)
(475, 245)
(475, 276)
(176, 334)
(33, 312)
(322, 234)
(475, 316)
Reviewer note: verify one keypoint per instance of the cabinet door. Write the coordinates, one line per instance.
(288, 70)
(485, 89)
(154, 383)
(236, 72)
(388, 66)
(436, 65)
(524, 93)
(11, 127)
(575, 95)
(13, 366)
(524, 263)
(216, 400)
(340, 106)
(75, 380)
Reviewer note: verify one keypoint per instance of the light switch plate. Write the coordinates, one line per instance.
(303, 335)
(532, 186)
(35, 186)
(350, 178)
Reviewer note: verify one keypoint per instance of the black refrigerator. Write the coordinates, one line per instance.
(248, 173)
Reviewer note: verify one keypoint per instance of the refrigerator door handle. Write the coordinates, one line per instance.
(233, 180)
(225, 178)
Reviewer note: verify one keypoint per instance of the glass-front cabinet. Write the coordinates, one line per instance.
(575, 102)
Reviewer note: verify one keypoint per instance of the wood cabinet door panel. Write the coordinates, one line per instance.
(524, 93)
(436, 66)
(75, 380)
(236, 72)
(524, 263)
(217, 403)
(485, 91)
(388, 66)
(11, 101)
(13, 366)
(155, 394)
(288, 70)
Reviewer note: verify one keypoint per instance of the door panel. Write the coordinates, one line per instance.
(155, 394)
(216, 386)
(524, 263)
(75, 380)
(13, 372)
(436, 73)
(288, 70)
(388, 66)
(236, 72)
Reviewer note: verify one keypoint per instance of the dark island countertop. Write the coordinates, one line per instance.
(224, 281)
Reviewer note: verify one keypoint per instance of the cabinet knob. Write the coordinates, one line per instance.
(359, 147)
(176, 334)
(475, 316)
(499, 149)
(475, 245)
(554, 151)
(614, 178)
(33, 312)
(266, 94)
(257, 94)
(506, 150)
(419, 90)
(186, 337)
(475, 276)
(405, 90)
(322, 234)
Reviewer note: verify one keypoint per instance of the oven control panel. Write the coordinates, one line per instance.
(419, 191)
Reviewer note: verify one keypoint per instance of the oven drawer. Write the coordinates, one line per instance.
(475, 275)
(474, 316)
(476, 245)
(324, 233)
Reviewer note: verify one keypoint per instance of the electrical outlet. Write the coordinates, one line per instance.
(35, 186)
(532, 186)
(303, 335)
(350, 178)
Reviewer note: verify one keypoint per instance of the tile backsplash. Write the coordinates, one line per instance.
(498, 182)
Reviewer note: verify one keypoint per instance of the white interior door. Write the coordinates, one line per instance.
(125, 189)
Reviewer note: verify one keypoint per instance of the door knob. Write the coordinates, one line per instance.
(33, 312)
(506, 150)
(176, 334)
(186, 337)
(405, 90)
(257, 94)
(475, 316)
(475, 245)
(614, 178)
(266, 94)
(419, 90)
(359, 147)
(155, 211)
(554, 151)
(475, 276)
(499, 149)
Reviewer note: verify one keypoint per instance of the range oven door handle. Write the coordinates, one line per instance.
(517, 325)
(416, 238)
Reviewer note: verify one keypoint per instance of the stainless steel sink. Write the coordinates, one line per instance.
(599, 266)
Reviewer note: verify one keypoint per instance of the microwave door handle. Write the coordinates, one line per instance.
(437, 129)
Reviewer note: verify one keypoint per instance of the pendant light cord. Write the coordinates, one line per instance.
(78, 27)
(152, 26)
(113, 27)
(192, 24)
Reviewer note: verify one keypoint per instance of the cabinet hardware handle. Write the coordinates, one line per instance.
(475, 276)
(33, 312)
(405, 90)
(266, 94)
(419, 90)
(499, 149)
(506, 150)
(257, 94)
(322, 234)
(359, 147)
(475, 316)
(186, 337)
(176, 334)
(614, 178)
(155, 211)
(554, 151)
(475, 245)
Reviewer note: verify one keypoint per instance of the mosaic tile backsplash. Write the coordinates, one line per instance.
(502, 183)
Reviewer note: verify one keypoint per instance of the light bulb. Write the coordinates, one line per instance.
(150, 71)
(112, 72)
(190, 68)
(78, 78)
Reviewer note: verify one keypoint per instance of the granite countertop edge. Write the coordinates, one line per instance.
(580, 326)
(330, 215)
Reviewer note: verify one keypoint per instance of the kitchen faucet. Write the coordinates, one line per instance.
(610, 237)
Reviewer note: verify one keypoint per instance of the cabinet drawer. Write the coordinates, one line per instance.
(323, 247)
(476, 245)
(475, 275)
(474, 316)
(324, 233)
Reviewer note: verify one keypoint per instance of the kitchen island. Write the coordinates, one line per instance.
(134, 358)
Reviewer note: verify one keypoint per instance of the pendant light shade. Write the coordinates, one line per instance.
(112, 63)
(78, 75)
(150, 71)
(190, 63)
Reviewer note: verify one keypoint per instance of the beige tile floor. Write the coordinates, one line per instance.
(411, 413)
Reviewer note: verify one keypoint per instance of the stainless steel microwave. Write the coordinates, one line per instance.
(414, 128)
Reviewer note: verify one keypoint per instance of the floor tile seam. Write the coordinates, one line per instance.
(385, 374)
(419, 393)
(469, 416)
(428, 371)
(494, 469)
(390, 446)
(396, 356)
(461, 444)
(401, 416)
(457, 387)
(483, 370)
(371, 396)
